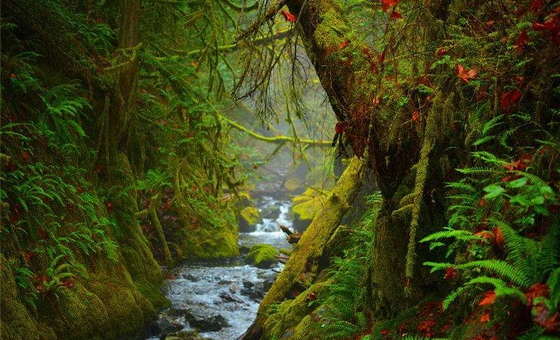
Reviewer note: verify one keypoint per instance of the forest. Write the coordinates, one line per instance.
(280, 169)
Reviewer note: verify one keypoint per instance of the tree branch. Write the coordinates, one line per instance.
(275, 139)
(271, 12)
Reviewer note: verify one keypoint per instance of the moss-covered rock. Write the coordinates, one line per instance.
(262, 256)
(248, 219)
(306, 206)
(294, 184)
(208, 243)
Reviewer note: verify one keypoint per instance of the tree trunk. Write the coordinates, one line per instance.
(126, 70)
(304, 260)
(349, 73)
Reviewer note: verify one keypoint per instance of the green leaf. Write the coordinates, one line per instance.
(493, 191)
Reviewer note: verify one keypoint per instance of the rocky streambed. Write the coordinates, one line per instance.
(220, 300)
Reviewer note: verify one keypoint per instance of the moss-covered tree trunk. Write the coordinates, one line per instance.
(345, 66)
(126, 71)
(304, 262)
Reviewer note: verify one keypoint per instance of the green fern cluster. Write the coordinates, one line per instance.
(503, 232)
(342, 305)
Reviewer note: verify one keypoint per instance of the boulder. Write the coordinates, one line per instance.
(211, 324)
(248, 219)
(306, 207)
(262, 256)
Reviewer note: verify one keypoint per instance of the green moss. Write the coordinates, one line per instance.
(208, 243)
(16, 320)
(306, 207)
(262, 255)
(287, 322)
(293, 183)
(249, 217)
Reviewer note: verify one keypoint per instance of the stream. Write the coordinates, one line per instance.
(220, 299)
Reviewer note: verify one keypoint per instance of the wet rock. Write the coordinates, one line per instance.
(168, 327)
(271, 212)
(262, 256)
(179, 312)
(211, 324)
(233, 289)
(153, 328)
(185, 335)
(225, 282)
(226, 297)
(243, 250)
(190, 277)
(248, 284)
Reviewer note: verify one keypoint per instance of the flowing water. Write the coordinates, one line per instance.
(220, 300)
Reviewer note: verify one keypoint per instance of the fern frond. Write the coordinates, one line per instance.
(502, 268)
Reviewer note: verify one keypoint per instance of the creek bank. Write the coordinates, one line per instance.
(219, 299)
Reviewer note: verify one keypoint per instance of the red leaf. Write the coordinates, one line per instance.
(13, 75)
(344, 44)
(255, 166)
(441, 52)
(450, 273)
(415, 116)
(536, 5)
(389, 3)
(288, 16)
(485, 317)
(25, 155)
(489, 298)
(509, 100)
(340, 127)
(498, 236)
(426, 325)
(465, 74)
(395, 15)
(521, 41)
(535, 291)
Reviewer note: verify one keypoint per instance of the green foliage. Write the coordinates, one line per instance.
(342, 305)
(502, 232)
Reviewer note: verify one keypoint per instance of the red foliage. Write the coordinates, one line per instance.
(395, 15)
(450, 273)
(465, 74)
(344, 44)
(489, 298)
(536, 6)
(415, 116)
(69, 283)
(13, 75)
(426, 325)
(389, 3)
(535, 291)
(485, 317)
(25, 155)
(509, 100)
(521, 41)
(441, 52)
(340, 127)
(498, 236)
(288, 16)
